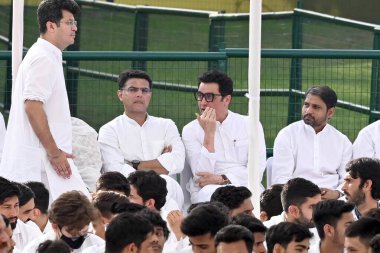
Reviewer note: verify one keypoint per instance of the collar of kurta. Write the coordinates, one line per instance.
(53, 49)
(132, 121)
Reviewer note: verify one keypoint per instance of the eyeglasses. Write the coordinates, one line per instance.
(133, 90)
(70, 22)
(208, 96)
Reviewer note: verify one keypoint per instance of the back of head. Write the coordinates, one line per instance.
(41, 194)
(51, 10)
(224, 82)
(364, 228)
(327, 94)
(7, 190)
(235, 233)
(375, 244)
(50, 246)
(252, 223)
(285, 232)
(329, 212)
(296, 191)
(133, 73)
(270, 201)
(113, 181)
(106, 201)
(72, 209)
(149, 185)
(127, 207)
(155, 218)
(125, 229)
(204, 219)
(366, 169)
(231, 196)
(26, 194)
(373, 213)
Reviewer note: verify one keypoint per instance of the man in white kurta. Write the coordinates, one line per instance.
(138, 141)
(38, 141)
(367, 143)
(217, 141)
(311, 148)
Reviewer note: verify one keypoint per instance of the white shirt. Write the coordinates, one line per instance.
(40, 78)
(231, 150)
(367, 143)
(24, 234)
(123, 139)
(321, 158)
(90, 240)
(2, 134)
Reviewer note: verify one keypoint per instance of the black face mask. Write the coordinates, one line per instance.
(74, 243)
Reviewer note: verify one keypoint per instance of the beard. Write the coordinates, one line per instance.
(13, 224)
(357, 198)
(303, 221)
(309, 120)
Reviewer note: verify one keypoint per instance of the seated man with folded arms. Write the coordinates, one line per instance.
(234, 239)
(216, 141)
(311, 148)
(137, 141)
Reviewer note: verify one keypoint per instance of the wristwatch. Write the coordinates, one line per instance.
(135, 164)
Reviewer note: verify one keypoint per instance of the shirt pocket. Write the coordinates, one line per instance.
(241, 150)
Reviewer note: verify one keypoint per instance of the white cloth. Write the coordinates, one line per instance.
(123, 139)
(367, 143)
(95, 249)
(40, 77)
(321, 158)
(230, 157)
(86, 152)
(188, 249)
(2, 134)
(24, 234)
(314, 248)
(47, 228)
(90, 240)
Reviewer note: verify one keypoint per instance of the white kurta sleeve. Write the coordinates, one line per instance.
(346, 158)
(173, 161)
(112, 157)
(283, 164)
(364, 145)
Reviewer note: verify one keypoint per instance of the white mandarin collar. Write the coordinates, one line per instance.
(53, 49)
(309, 128)
(132, 121)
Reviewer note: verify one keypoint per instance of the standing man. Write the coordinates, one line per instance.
(311, 148)
(38, 143)
(138, 141)
(217, 141)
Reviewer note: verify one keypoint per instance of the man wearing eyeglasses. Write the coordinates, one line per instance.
(136, 140)
(38, 142)
(216, 142)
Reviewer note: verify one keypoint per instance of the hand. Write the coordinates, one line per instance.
(207, 120)
(206, 178)
(174, 219)
(167, 149)
(60, 164)
(329, 194)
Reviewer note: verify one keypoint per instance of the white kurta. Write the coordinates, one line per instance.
(367, 144)
(24, 234)
(40, 77)
(2, 134)
(321, 158)
(230, 157)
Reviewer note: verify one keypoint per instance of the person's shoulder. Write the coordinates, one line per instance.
(336, 132)
(112, 123)
(161, 120)
(190, 126)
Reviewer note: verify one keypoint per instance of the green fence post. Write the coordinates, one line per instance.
(375, 80)
(140, 39)
(294, 107)
(216, 42)
(8, 80)
(71, 75)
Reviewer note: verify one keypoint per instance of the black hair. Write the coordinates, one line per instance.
(270, 200)
(224, 82)
(113, 181)
(252, 223)
(373, 213)
(57, 246)
(296, 191)
(365, 228)
(327, 94)
(366, 169)
(329, 212)
(51, 10)
(134, 73)
(375, 244)
(231, 196)
(155, 218)
(204, 219)
(7, 190)
(26, 194)
(41, 194)
(127, 207)
(105, 201)
(285, 232)
(149, 185)
(124, 229)
(234, 233)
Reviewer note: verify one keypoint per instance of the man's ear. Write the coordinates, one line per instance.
(55, 227)
(328, 230)
(36, 212)
(277, 248)
(263, 216)
(294, 211)
(130, 248)
(150, 203)
(367, 186)
(330, 112)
